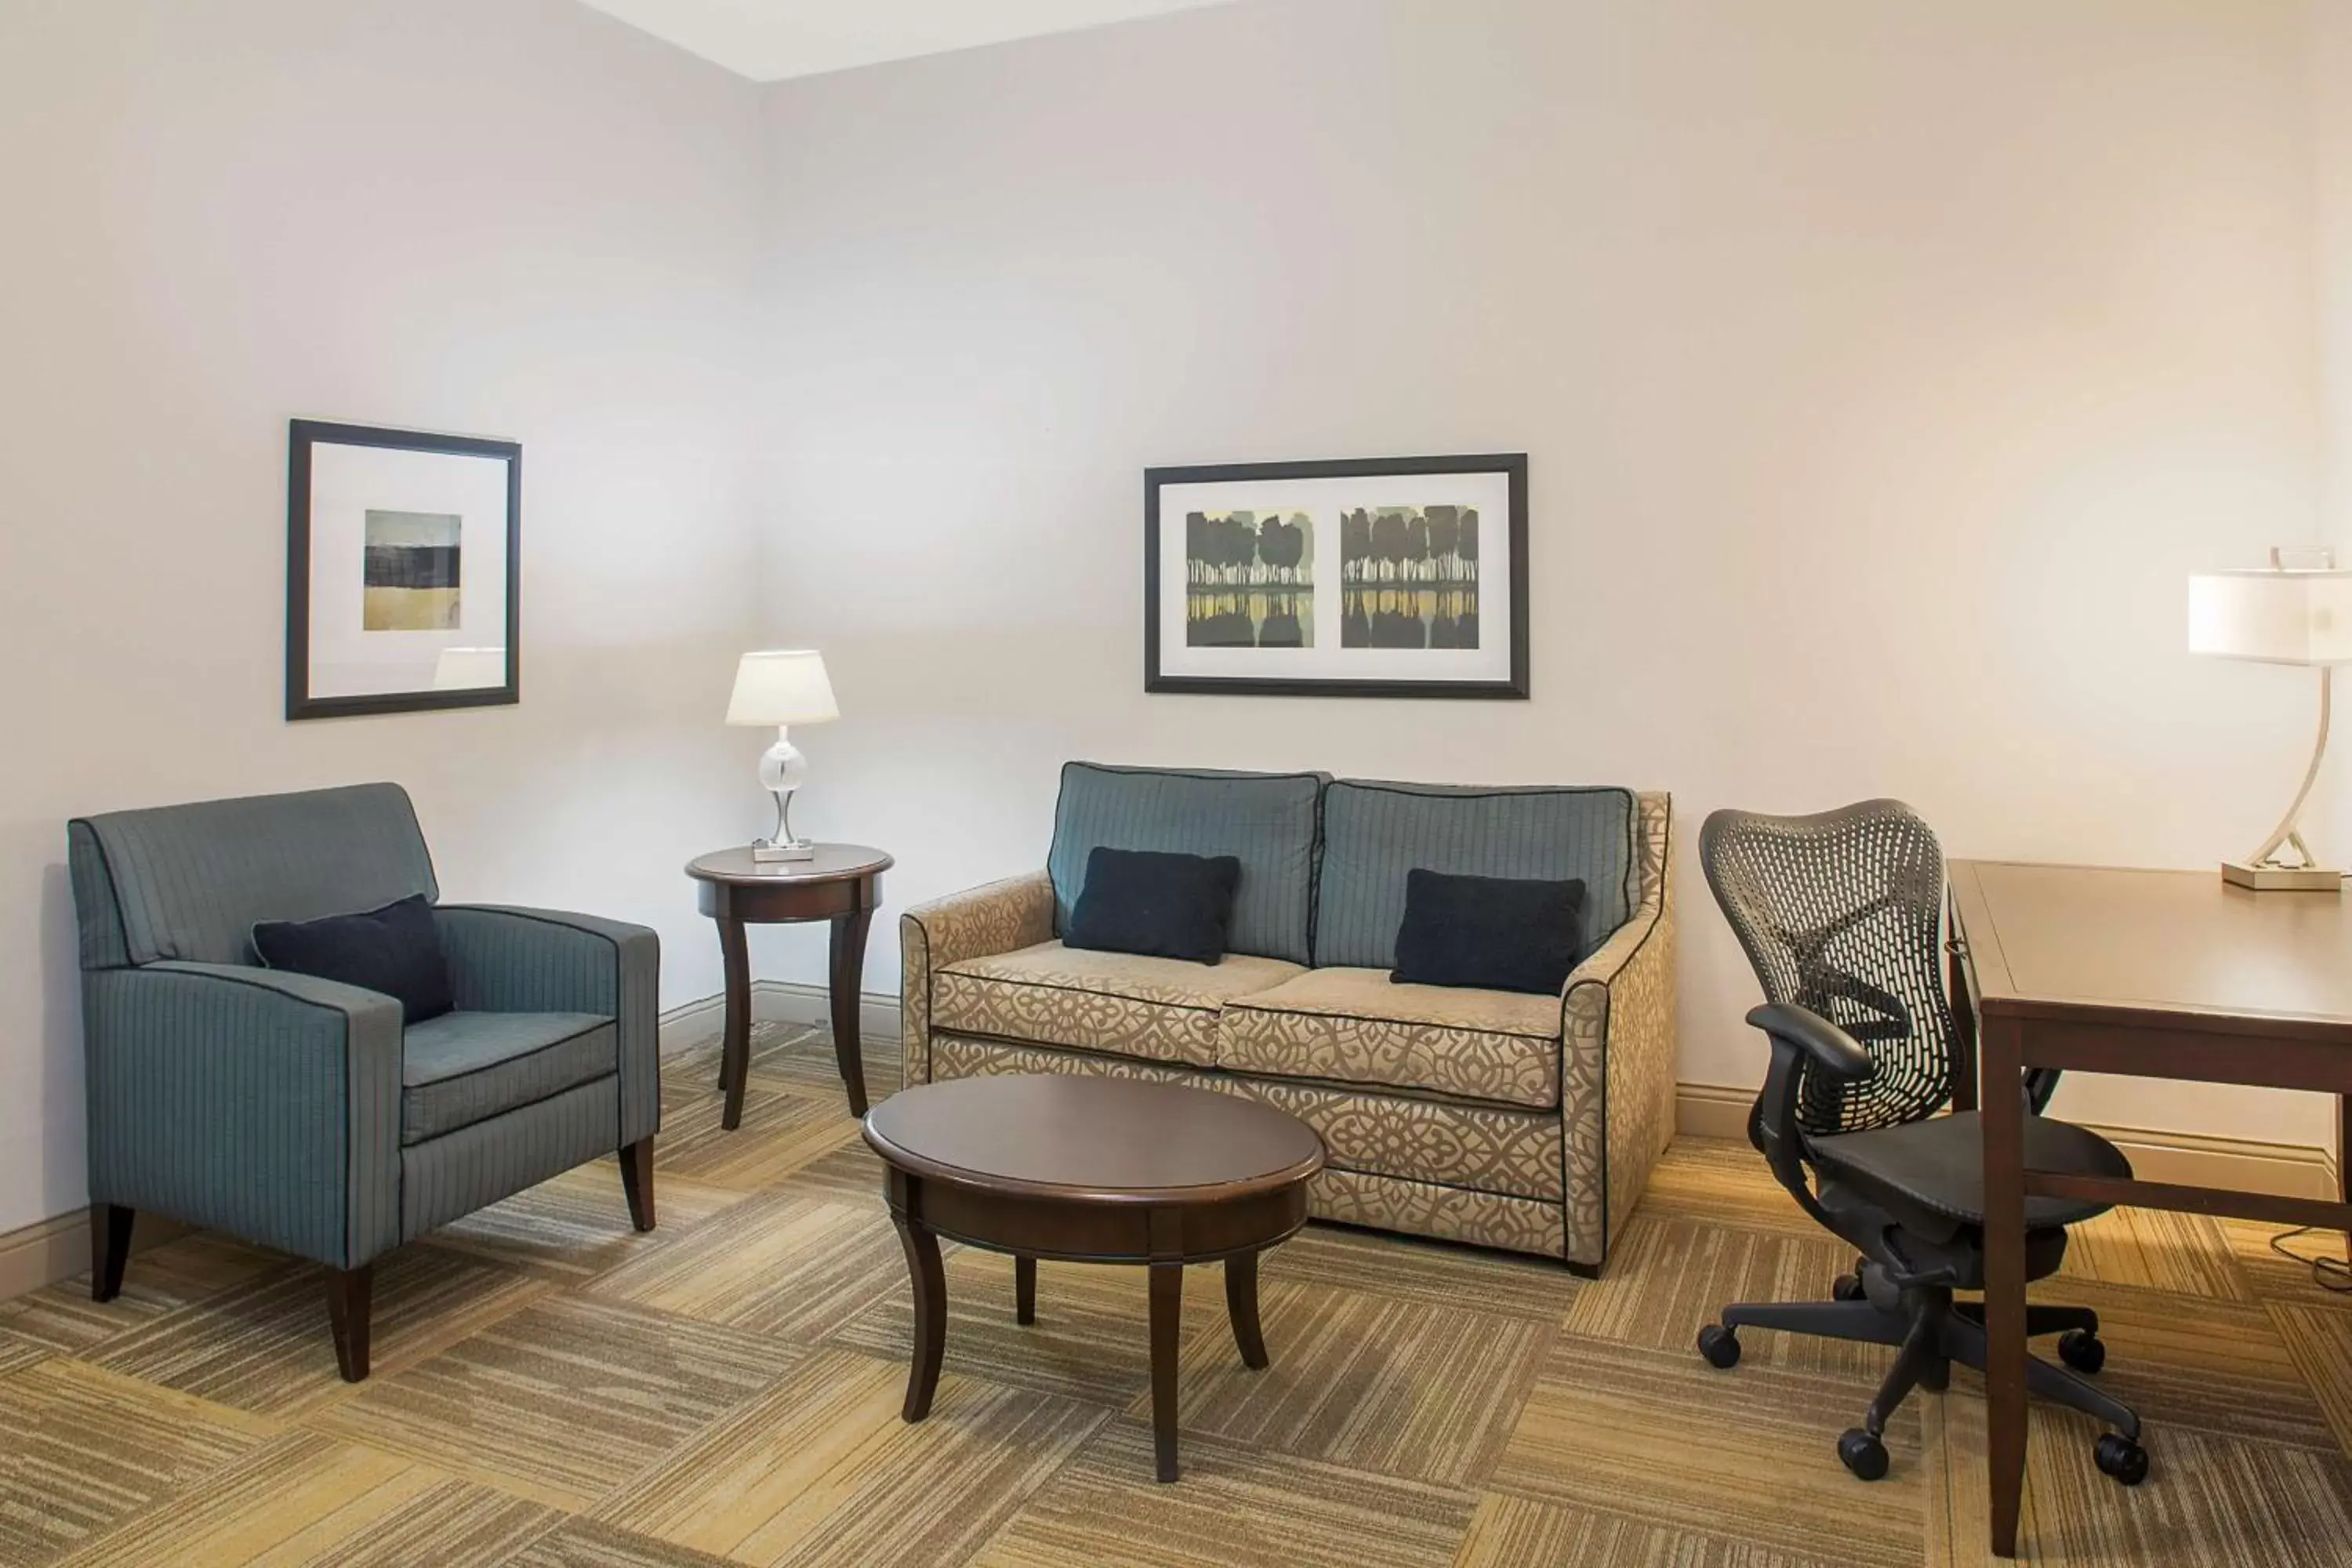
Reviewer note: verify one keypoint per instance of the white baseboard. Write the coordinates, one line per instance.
(49, 1250)
(2186, 1159)
(774, 1002)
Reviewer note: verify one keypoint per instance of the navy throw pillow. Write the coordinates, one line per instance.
(1499, 933)
(396, 950)
(1154, 903)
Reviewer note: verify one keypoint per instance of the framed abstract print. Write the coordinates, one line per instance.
(1379, 577)
(402, 570)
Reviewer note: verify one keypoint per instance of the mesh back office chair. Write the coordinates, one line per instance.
(1840, 915)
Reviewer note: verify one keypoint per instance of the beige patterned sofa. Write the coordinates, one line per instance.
(1517, 1121)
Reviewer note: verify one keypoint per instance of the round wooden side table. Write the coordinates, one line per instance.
(843, 885)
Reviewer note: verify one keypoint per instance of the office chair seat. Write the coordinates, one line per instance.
(1938, 1166)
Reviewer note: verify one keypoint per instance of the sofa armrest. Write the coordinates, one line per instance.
(504, 959)
(1618, 1045)
(264, 1103)
(997, 917)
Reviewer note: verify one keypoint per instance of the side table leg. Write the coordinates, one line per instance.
(931, 1287)
(847, 979)
(1025, 1288)
(735, 1051)
(1167, 1312)
(1240, 1305)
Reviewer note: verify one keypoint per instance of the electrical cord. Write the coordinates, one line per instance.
(2328, 1273)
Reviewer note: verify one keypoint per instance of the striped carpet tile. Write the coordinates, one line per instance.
(87, 1450)
(309, 1500)
(564, 1401)
(795, 1268)
(1237, 1506)
(259, 1345)
(1659, 1436)
(577, 1226)
(1397, 1388)
(821, 1472)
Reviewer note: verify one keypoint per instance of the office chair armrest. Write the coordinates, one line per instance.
(1833, 1050)
(1799, 1037)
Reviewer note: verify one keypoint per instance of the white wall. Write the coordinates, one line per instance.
(519, 219)
(1885, 371)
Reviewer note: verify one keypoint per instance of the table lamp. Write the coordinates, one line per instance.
(782, 687)
(2286, 612)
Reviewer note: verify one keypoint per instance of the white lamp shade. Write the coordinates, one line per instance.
(469, 668)
(2276, 616)
(782, 685)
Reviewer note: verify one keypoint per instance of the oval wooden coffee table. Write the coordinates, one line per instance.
(1091, 1169)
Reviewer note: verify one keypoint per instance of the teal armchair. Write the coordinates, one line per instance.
(298, 1112)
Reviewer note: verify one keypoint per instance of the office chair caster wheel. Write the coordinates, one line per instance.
(1847, 1288)
(2119, 1457)
(1863, 1454)
(2082, 1350)
(1721, 1346)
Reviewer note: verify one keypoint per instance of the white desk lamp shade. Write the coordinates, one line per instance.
(2279, 615)
(782, 685)
(469, 668)
(2275, 616)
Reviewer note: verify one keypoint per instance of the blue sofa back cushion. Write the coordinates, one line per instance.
(189, 881)
(1376, 834)
(1266, 821)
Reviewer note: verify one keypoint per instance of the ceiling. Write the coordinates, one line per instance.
(768, 40)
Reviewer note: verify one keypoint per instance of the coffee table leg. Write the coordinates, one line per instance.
(1024, 1290)
(1167, 1312)
(930, 1284)
(1240, 1305)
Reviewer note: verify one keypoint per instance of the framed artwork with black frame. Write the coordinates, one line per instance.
(403, 581)
(1374, 577)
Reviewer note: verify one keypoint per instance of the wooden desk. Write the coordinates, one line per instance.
(2168, 975)
(842, 884)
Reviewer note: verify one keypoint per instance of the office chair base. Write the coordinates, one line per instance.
(1933, 1333)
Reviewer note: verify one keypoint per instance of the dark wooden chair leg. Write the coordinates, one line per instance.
(348, 1294)
(637, 1181)
(109, 1248)
(930, 1281)
(1025, 1288)
(1240, 1305)
(848, 979)
(1166, 1314)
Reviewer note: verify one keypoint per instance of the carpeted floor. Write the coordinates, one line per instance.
(551, 1389)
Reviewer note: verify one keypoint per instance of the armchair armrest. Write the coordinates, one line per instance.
(504, 959)
(264, 1103)
(1618, 1045)
(997, 917)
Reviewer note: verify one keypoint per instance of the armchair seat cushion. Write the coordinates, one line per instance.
(464, 1068)
(1353, 1026)
(1159, 1009)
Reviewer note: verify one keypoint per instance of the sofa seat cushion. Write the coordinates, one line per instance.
(464, 1068)
(1161, 1009)
(1355, 1025)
